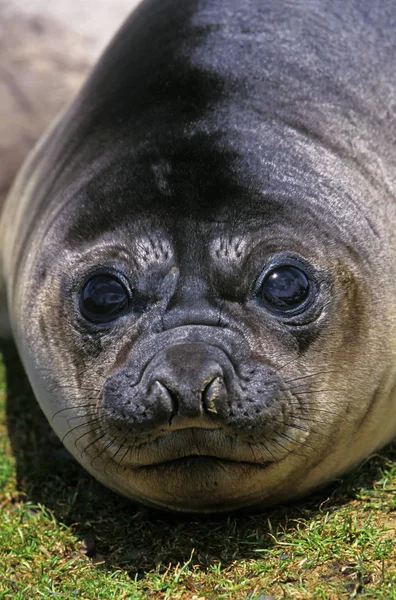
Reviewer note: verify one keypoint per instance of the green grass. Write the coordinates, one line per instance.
(64, 536)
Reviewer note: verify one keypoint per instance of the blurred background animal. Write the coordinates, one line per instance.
(46, 51)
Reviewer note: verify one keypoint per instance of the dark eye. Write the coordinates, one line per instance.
(103, 298)
(285, 288)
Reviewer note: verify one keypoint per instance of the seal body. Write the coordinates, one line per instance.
(200, 257)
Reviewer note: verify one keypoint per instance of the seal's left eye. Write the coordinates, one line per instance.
(284, 288)
(103, 298)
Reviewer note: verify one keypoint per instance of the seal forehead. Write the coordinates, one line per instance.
(217, 117)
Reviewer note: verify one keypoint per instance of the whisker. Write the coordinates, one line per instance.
(123, 456)
(86, 424)
(317, 391)
(92, 443)
(104, 449)
(74, 387)
(84, 434)
(303, 391)
(92, 414)
(316, 421)
(289, 426)
(306, 419)
(301, 443)
(286, 449)
(264, 444)
(317, 409)
(310, 375)
(286, 365)
(112, 458)
(73, 408)
(104, 377)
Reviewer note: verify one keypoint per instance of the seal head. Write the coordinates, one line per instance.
(199, 258)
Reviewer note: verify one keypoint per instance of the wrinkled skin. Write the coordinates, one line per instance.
(213, 141)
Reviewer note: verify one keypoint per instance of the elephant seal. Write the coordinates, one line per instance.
(199, 258)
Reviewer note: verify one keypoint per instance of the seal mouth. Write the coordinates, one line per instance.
(200, 483)
(193, 461)
(196, 448)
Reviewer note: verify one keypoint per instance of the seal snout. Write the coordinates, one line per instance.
(190, 379)
(185, 384)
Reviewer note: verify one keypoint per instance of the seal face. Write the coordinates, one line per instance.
(200, 257)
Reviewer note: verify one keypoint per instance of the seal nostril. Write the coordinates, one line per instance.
(165, 396)
(160, 391)
(211, 393)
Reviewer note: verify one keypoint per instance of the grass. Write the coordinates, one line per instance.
(64, 536)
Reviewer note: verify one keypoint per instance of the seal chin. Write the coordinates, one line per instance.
(189, 470)
(198, 483)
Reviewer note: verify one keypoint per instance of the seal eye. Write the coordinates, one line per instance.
(284, 288)
(103, 298)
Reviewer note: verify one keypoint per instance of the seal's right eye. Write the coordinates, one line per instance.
(286, 289)
(103, 298)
